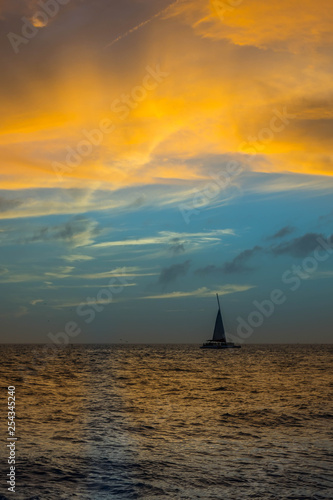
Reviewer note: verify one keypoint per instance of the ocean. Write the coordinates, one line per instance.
(169, 422)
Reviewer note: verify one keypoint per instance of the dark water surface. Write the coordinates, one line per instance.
(155, 422)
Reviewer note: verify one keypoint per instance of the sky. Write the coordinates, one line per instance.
(154, 153)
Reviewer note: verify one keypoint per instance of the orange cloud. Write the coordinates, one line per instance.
(225, 81)
(278, 25)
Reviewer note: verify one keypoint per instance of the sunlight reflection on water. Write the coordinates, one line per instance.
(124, 422)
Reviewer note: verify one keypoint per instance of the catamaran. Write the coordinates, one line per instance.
(219, 340)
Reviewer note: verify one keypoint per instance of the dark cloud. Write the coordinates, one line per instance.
(299, 247)
(326, 217)
(282, 232)
(320, 128)
(138, 202)
(177, 246)
(171, 273)
(237, 265)
(78, 232)
(7, 204)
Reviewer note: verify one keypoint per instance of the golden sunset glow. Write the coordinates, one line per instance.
(201, 104)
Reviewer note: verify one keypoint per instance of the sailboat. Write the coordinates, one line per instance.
(219, 340)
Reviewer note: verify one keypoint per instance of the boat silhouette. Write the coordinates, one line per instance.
(219, 340)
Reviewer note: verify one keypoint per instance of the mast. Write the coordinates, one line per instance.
(219, 333)
(218, 301)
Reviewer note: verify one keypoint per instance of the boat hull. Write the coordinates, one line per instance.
(220, 345)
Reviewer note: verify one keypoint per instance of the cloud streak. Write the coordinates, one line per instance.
(284, 231)
(202, 292)
(76, 233)
(238, 265)
(299, 247)
(168, 239)
(142, 24)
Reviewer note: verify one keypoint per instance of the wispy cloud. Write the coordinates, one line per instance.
(77, 232)
(168, 238)
(60, 272)
(284, 231)
(202, 292)
(40, 275)
(65, 272)
(75, 303)
(120, 272)
(36, 301)
(7, 203)
(237, 265)
(76, 258)
(50, 285)
(299, 247)
(142, 24)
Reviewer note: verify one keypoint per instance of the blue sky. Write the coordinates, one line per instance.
(166, 271)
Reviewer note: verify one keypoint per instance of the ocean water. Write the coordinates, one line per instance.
(170, 421)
